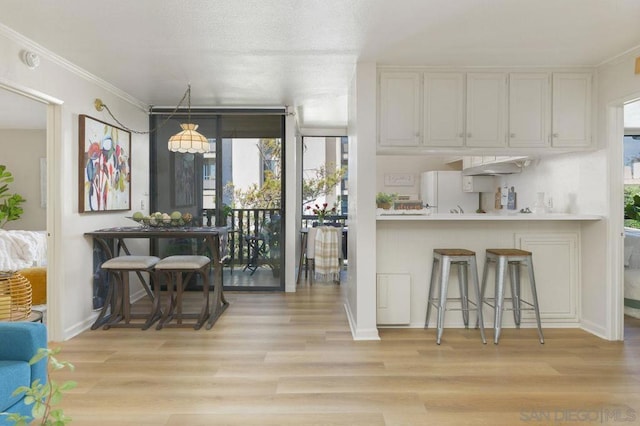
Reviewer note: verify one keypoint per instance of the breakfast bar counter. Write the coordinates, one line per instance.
(485, 216)
(404, 254)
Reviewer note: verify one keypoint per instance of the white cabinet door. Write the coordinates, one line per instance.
(443, 120)
(400, 102)
(529, 110)
(393, 299)
(571, 122)
(556, 268)
(486, 109)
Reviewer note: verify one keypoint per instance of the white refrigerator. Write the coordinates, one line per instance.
(442, 192)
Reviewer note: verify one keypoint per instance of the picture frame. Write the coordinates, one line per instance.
(104, 169)
(183, 173)
(399, 179)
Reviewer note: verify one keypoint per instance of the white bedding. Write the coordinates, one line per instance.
(22, 249)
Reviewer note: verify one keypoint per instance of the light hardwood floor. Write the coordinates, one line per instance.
(288, 359)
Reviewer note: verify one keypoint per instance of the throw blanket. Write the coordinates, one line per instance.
(22, 249)
(327, 263)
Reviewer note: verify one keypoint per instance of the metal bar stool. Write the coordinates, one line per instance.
(511, 259)
(442, 261)
(118, 293)
(179, 270)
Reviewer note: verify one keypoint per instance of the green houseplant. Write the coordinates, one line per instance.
(9, 203)
(384, 200)
(44, 396)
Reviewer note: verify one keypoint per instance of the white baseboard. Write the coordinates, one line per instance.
(360, 334)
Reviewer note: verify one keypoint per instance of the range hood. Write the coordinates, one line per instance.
(493, 169)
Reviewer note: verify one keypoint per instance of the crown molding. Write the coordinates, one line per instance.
(634, 51)
(29, 44)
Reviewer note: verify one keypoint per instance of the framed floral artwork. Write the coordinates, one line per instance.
(104, 167)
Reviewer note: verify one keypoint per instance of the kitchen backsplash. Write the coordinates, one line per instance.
(568, 180)
(572, 181)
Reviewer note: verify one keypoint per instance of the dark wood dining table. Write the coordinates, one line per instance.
(113, 241)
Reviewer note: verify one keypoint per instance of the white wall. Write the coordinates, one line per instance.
(408, 164)
(361, 278)
(70, 308)
(21, 153)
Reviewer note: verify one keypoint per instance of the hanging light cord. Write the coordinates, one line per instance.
(99, 105)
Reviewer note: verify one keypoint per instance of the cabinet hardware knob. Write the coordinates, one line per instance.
(555, 135)
(512, 135)
(468, 135)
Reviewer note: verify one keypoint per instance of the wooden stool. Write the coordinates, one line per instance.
(118, 293)
(511, 259)
(179, 270)
(442, 261)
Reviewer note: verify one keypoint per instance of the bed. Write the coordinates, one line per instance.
(632, 272)
(22, 249)
(26, 253)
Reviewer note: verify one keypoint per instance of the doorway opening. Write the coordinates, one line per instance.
(631, 159)
(325, 195)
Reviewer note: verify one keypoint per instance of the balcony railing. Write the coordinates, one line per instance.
(246, 223)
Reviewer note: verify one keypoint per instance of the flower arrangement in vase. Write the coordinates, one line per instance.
(322, 212)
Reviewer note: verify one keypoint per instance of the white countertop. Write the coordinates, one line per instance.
(485, 216)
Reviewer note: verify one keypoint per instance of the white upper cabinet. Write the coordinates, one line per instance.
(400, 102)
(529, 110)
(571, 122)
(443, 110)
(486, 109)
(443, 120)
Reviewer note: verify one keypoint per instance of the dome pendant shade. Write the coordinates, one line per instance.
(188, 140)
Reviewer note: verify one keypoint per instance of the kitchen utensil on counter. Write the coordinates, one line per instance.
(539, 207)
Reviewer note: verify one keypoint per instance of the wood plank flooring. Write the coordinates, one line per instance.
(288, 359)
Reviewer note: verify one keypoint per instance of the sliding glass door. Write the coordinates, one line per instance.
(237, 184)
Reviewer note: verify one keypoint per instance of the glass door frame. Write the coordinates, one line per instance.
(218, 115)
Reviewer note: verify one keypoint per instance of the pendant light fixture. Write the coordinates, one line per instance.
(188, 140)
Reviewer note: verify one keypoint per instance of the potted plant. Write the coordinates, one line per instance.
(9, 203)
(384, 200)
(322, 212)
(43, 396)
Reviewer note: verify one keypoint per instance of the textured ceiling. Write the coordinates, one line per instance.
(303, 52)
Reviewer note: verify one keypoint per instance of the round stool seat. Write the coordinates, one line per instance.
(454, 252)
(183, 262)
(130, 262)
(508, 252)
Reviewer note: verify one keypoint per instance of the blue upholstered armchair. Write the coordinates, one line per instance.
(19, 342)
